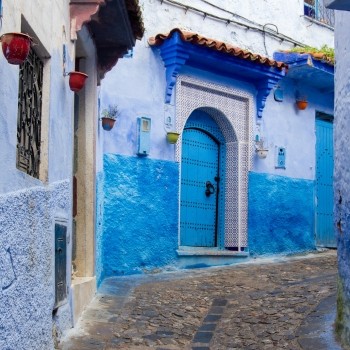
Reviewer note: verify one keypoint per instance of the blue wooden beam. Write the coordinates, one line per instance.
(177, 53)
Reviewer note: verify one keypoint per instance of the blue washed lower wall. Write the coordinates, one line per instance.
(99, 226)
(280, 214)
(140, 217)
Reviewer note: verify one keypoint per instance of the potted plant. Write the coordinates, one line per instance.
(172, 137)
(77, 80)
(16, 47)
(109, 116)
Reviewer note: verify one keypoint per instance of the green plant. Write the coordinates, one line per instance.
(112, 112)
(326, 51)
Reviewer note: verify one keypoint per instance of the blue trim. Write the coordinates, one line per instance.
(314, 72)
(177, 53)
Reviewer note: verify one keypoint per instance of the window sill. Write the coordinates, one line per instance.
(313, 20)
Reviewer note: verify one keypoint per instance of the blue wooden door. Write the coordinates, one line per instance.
(199, 177)
(325, 235)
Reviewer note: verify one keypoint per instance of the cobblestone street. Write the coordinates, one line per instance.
(281, 304)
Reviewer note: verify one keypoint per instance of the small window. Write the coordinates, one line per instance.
(29, 114)
(317, 10)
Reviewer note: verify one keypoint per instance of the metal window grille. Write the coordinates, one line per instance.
(317, 10)
(29, 115)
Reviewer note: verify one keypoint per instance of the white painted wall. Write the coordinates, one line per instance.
(29, 206)
(341, 170)
(137, 84)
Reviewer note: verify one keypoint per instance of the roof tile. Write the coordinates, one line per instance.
(217, 45)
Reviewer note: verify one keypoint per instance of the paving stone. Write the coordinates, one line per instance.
(207, 327)
(212, 318)
(280, 305)
(202, 337)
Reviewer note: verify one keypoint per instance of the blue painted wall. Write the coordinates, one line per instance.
(281, 214)
(140, 230)
(99, 227)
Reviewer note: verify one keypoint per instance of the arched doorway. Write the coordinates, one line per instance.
(231, 115)
(202, 172)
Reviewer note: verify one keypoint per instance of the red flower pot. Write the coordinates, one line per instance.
(107, 123)
(77, 80)
(15, 47)
(302, 104)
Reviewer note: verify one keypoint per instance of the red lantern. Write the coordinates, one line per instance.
(77, 80)
(15, 47)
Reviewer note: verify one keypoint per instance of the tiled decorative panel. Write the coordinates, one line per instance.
(233, 112)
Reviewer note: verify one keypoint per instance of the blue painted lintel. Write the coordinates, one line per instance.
(177, 53)
(308, 70)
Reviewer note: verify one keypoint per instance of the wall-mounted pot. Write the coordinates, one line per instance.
(107, 123)
(172, 137)
(15, 47)
(262, 153)
(77, 80)
(301, 104)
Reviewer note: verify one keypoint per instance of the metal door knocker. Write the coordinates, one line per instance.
(210, 189)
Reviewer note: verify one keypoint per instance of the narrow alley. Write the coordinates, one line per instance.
(286, 303)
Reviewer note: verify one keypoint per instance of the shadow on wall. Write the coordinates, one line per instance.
(281, 214)
(140, 215)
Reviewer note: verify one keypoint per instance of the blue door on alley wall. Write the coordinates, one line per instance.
(199, 188)
(325, 235)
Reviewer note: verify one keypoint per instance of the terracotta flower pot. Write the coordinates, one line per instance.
(172, 137)
(15, 47)
(107, 123)
(77, 80)
(302, 104)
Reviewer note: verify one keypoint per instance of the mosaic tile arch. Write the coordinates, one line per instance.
(233, 111)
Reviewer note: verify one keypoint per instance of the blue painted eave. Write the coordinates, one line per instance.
(308, 70)
(176, 53)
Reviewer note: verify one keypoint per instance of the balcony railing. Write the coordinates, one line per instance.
(316, 9)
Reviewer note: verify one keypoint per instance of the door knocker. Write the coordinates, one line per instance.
(210, 189)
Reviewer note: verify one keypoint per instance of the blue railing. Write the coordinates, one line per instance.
(316, 9)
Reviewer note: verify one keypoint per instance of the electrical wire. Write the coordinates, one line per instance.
(252, 26)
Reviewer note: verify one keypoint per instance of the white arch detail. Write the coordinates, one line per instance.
(234, 113)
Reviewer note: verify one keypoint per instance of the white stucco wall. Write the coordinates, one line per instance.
(341, 171)
(137, 84)
(30, 206)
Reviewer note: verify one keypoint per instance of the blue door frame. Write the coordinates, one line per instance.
(325, 233)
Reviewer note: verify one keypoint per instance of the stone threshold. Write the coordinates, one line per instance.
(208, 251)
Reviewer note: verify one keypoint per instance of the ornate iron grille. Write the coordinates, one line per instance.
(29, 115)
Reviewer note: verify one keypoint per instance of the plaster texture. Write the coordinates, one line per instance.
(138, 84)
(30, 206)
(27, 266)
(50, 32)
(140, 215)
(342, 172)
(281, 215)
(281, 204)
